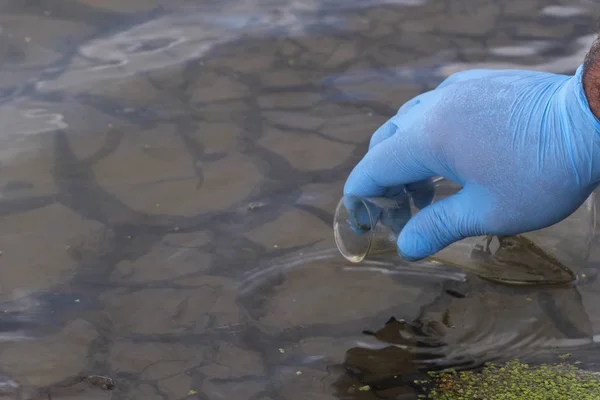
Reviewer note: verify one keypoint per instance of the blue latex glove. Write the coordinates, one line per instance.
(523, 145)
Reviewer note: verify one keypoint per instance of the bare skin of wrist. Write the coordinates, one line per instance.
(591, 78)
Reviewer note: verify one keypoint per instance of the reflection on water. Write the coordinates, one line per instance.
(448, 321)
(168, 174)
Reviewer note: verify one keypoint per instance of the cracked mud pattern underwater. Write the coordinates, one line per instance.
(168, 173)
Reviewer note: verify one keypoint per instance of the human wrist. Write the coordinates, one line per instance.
(576, 105)
(581, 126)
(590, 78)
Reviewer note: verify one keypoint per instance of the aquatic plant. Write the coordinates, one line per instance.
(515, 380)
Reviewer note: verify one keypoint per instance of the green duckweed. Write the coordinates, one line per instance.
(517, 381)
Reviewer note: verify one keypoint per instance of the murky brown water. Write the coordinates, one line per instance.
(168, 173)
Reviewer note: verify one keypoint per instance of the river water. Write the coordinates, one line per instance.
(168, 174)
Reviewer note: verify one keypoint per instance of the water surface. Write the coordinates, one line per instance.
(168, 173)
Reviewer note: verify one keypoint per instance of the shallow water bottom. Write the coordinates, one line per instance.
(168, 173)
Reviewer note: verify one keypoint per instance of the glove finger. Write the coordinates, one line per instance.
(441, 224)
(392, 125)
(382, 133)
(384, 167)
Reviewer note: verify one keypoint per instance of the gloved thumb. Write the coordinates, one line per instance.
(439, 225)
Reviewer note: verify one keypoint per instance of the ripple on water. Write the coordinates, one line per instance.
(387, 318)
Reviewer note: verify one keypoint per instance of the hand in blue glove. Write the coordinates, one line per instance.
(523, 145)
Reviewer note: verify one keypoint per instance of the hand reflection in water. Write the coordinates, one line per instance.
(462, 329)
